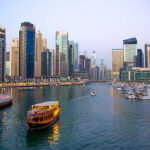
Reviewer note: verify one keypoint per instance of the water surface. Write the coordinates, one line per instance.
(105, 121)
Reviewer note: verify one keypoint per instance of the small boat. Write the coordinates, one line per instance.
(131, 96)
(146, 96)
(93, 93)
(42, 115)
(5, 100)
(118, 89)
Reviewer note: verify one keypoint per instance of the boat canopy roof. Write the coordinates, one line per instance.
(49, 103)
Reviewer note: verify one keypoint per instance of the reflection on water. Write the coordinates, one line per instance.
(54, 135)
(116, 94)
(38, 137)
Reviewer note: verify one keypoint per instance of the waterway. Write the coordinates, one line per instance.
(105, 121)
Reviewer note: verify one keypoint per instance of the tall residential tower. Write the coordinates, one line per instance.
(2, 54)
(93, 60)
(71, 58)
(117, 63)
(62, 54)
(38, 51)
(14, 57)
(147, 55)
(76, 56)
(26, 50)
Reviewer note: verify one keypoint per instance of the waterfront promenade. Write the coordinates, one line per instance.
(33, 84)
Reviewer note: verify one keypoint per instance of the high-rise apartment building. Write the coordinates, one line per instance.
(38, 51)
(88, 66)
(147, 55)
(93, 60)
(26, 50)
(130, 52)
(140, 58)
(44, 44)
(46, 63)
(52, 62)
(76, 56)
(2, 54)
(71, 58)
(82, 63)
(7, 63)
(95, 73)
(62, 54)
(117, 63)
(14, 57)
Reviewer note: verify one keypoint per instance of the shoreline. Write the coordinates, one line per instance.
(42, 85)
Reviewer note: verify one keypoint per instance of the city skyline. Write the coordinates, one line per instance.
(97, 30)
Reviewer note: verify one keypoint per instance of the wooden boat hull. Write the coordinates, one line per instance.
(37, 126)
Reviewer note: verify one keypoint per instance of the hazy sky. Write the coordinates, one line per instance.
(99, 25)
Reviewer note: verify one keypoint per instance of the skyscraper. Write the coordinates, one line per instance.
(85, 54)
(71, 58)
(2, 53)
(93, 60)
(139, 58)
(147, 55)
(46, 63)
(130, 52)
(26, 50)
(44, 43)
(88, 66)
(117, 63)
(76, 56)
(62, 54)
(14, 57)
(38, 51)
(82, 63)
(8, 63)
(52, 62)
(95, 75)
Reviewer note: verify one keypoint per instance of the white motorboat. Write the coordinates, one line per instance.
(118, 89)
(146, 96)
(131, 96)
(93, 93)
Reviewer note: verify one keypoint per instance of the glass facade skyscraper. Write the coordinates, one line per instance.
(71, 58)
(130, 52)
(62, 66)
(2, 54)
(46, 63)
(139, 58)
(76, 56)
(26, 50)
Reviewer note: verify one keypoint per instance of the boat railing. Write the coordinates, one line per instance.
(40, 116)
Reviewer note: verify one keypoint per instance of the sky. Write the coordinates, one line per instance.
(97, 25)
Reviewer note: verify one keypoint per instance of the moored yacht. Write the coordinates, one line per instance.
(146, 96)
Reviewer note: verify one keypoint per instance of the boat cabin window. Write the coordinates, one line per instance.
(36, 119)
(41, 119)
